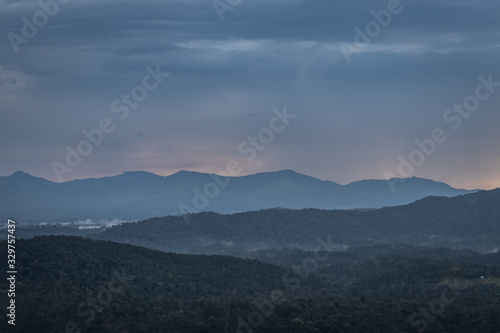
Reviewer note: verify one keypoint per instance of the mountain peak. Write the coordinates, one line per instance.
(19, 173)
(288, 172)
(187, 173)
(139, 173)
(23, 176)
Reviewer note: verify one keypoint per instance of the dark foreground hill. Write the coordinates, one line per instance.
(69, 284)
(140, 195)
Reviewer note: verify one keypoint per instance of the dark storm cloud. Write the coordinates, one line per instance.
(355, 119)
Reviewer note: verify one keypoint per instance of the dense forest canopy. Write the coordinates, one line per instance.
(67, 284)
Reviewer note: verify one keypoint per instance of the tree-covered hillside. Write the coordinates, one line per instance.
(70, 284)
(468, 221)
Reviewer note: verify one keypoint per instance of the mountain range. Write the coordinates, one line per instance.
(466, 221)
(138, 195)
(469, 221)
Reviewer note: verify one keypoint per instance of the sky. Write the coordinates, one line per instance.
(338, 90)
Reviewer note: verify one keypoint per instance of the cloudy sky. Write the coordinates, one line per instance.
(361, 91)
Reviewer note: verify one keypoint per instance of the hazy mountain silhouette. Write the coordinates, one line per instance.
(137, 195)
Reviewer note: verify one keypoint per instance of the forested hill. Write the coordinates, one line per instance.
(70, 284)
(148, 291)
(467, 221)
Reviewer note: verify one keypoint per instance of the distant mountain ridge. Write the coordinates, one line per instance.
(139, 194)
(466, 221)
